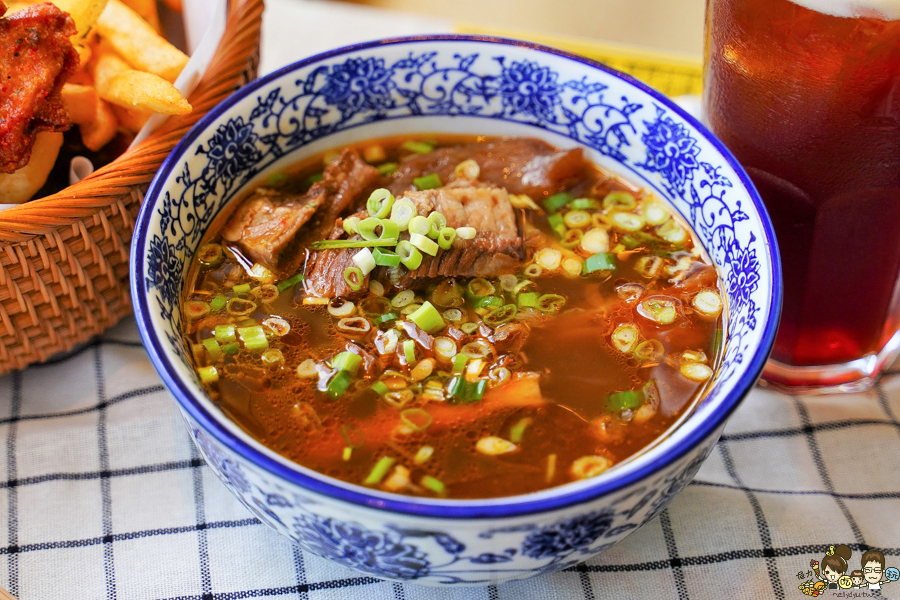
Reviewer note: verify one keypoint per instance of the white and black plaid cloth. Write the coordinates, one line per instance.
(103, 496)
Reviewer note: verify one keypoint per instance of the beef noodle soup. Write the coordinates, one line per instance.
(453, 317)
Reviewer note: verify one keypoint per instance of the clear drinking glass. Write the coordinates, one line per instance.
(806, 94)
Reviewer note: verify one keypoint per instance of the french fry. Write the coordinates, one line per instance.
(20, 186)
(81, 102)
(136, 41)
(101, 130)
(118, 83)
(131, 119)
(147, 11)
(84, 12)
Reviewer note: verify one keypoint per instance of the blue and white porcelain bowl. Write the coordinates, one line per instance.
(474, 85)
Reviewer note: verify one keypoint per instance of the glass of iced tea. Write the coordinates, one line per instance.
(806, 94)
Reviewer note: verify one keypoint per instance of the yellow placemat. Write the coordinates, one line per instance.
(671, 74)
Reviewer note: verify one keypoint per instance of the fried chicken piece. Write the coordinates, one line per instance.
(36, 59)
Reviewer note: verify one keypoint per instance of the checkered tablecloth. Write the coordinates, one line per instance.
(103, 496)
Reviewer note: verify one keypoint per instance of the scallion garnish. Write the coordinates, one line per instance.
(428, 182)
(253, 337)
(380, 469)
(403, 212)
(584, 204)
(409, 351)
(346, 361)
(503, 314)
(517, 431)
(231, 349)
(571, 238)
(527, 299)
(387, 168)
(208, 374)
(290, 282)
(403, 298)
(416, 418)
(380, 388)
(489, 302)
(557, 224)
(237, 307)
(213, 348)
(224, 334)
(649, 350)
(619, 401)
(434, 484)
(379, 203)
(427, 318)
(557, 201)
(466, 233)
(417, 147)
(367, 228)
(351, 225)
(338, 385)
(438, 221)
(196, 309)
(385, 318)
(210, 255)
(410, 256)
(619, 201)
(551, 303)
(423, 243)
(365, 261)
(446, 237)
(386, 258)
(332, 244)
(602, 261)
(218, 303)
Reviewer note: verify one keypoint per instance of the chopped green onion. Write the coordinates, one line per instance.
(480, 288)
(469, 328)
(210, 255)
(231, 349)
(380, 388)
(489, 302)
(386, 258)
(385, 318)
(517, 431)
(527, 300)
(338, 385)
(577, 219)
(548, 258)
(417, 147)
(501, 315)
(403, 298)
(380, 469)
(423, 243)
(217, 303)
(454, 315)
(224, 334)
(434, 484)
(551, 303)
(428, 182)
(379, 203)
(427, 318)
(438, 221)
(212, 346)
(626, 337)
(389, 230)
(584, 204)
(619, 401)
(347, 453)
(649, 350)
(208, 374)
(628, 221)
(239, 307)
(365, 261)
(508, 282)
(410, 256)
(557, 224)
(290, 282)
(466, 391)
(409, 351)
(533, 270)
(423, 454)
(403, 212)
(420, 224)
(466, 233)
(332, 244)
(417, 418)
(556, 201)
(254, 337)
(349, 432)
(346, 361)
(602, 261)
(367, 228)
(353, 276)
(241, 289)
(272, 357)
(619, 201)
(375, 306)
(314, 178)
(387, 168)
(351, 225)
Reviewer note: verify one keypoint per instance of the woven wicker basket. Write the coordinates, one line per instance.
(64, 258)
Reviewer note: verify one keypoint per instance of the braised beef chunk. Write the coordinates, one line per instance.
(267, 222)
(521, 165)
(497, 248)
(324, 273)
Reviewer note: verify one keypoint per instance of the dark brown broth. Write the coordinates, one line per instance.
(571, 351)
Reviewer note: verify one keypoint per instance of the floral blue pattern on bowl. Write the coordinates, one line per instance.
(455, 84)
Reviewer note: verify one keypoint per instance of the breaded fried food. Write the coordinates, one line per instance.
(36, 58)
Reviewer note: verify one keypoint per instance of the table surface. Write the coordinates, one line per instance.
(104, 496)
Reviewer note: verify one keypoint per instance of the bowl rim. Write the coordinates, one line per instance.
(442, 509)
